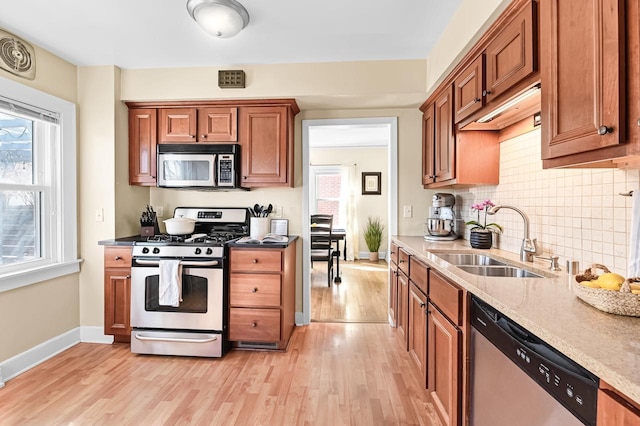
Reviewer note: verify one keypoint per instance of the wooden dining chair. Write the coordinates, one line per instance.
(321, 244)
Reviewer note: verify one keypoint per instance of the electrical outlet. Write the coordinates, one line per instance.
(159, 211)
(408, 211)
(277, 212)
(99, 215)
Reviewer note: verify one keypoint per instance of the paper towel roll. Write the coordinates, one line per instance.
(634, 237)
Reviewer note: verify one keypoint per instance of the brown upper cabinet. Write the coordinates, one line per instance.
(207, 124)
(469, 88)
(438, 140)
(263, 128)
(142, 146)
(590, 80)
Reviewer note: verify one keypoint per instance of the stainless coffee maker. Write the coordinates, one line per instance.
(442, 224)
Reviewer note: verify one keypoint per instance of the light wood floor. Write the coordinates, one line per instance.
(332, 374)
(360, 297)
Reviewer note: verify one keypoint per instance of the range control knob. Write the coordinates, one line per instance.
(198, 250)
(209, 250)
(156, 250)
(145, 250)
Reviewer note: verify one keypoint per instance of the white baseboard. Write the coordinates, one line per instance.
(28, 359)
(94, 335)
(299, 319)
(365, 255)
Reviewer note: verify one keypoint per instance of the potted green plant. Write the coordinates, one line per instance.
(373, 236)
(481, 235)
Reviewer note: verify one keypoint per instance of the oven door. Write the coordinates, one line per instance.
(202, 305)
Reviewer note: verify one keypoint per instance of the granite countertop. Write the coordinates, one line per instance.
(130, 241)
(607, 345)
(123, 241)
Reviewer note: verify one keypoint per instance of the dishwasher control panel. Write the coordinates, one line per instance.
(566, 381)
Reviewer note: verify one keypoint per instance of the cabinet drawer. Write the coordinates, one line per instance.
(446, 296)
(418, 274)
(254, 325)
(394, 253)
(260, 260)
(403, 261)
(255, 290)
(117, 257)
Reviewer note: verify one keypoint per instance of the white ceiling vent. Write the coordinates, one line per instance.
(17, 56)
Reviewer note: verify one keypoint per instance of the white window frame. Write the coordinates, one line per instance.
(61, 239)
(319, 171)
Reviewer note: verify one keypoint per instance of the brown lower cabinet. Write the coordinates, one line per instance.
(117, 292)
(417, 335)
(614, 409)
(403, 309)
(262, 296)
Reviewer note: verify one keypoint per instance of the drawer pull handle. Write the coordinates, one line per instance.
(603, 130)
(118, 258)
(476, 100)
(254, 290)
(254, 324)
(401, 261)
(204, 136)
(128, 276)
(254, 261)
(422, 304)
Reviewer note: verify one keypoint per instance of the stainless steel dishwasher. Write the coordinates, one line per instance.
(517, 379)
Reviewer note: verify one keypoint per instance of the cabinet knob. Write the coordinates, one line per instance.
(422, 304)
(192, 136)
(638, 122)
(244, 177)
(603, 130)
(476, 100)
(254, 261)
(118, 258)
(128, 276)
(254, 290)
(254, 324)
(486, 92)
(204, 136)
(401, 261)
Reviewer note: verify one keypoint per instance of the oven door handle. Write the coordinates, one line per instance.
(142, 337)
(183, 263)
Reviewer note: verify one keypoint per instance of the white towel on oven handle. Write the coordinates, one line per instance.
(170, 283)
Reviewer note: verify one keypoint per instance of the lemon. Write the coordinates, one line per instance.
(592, 284)
(610, 281)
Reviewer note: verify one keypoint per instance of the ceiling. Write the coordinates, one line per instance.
(160, 33)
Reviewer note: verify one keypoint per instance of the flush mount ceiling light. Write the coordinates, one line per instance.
(220, 18)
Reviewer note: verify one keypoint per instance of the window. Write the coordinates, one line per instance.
(326, 192)
(37, 186)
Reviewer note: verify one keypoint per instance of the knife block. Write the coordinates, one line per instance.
(149, 229)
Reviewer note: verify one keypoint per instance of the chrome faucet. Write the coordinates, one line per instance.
(529, 247)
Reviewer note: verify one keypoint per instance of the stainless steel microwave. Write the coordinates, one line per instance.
(202, 166)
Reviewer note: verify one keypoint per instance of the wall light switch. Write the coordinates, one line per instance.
(408, 211)
(159, 211)
(277, 212)
(99, 215)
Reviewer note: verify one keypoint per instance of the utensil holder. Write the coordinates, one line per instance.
(259, 227)
(149, 229)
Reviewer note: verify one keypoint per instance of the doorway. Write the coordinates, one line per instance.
(347, 146)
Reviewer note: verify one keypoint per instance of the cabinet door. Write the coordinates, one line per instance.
(468, 90)
(403, 309)
(418, 330)
(218, 124)
(177, 125)
(444, 143)
(510, 56)
(117, 302)
(582, 102)
(393, 294)
(264, 148)
(142, 146)
(444, 366)
(615, 411)
(428, 145)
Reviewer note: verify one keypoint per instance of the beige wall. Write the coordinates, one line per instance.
(467, 25)
(372, 159)
(34, 314)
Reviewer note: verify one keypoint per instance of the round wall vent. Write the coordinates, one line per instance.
(17, 56)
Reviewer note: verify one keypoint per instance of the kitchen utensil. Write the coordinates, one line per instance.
(257, 209)
(179, 226)
(252, 212)
(269, 210)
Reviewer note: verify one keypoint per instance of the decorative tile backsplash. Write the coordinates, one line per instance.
(574, 213)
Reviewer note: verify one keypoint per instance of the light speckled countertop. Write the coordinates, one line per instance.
(605, 344)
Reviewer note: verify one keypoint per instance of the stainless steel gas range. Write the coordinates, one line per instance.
(192, 270)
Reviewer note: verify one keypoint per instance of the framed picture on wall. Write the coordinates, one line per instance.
(371, 183)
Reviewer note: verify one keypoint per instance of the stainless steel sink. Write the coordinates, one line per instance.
(469, 259)
(499, 271)
(481, 264)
